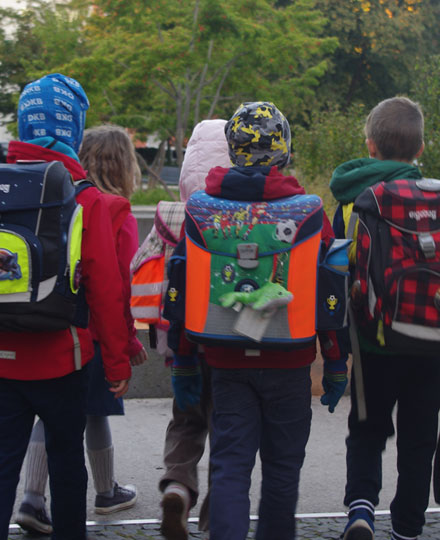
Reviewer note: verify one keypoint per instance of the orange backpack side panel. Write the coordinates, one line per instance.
(198, 266)
(302, 283)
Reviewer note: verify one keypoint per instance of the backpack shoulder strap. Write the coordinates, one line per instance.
(352, 225)
(81, 185)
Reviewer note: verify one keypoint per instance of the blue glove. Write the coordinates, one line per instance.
(186, 381)
(334, 383)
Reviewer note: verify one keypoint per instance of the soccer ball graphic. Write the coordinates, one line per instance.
(285, 231)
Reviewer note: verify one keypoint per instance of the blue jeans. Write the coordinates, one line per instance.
(60, 403)
(258, 409)
(414, 385)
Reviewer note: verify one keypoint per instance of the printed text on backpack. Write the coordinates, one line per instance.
(396, 286)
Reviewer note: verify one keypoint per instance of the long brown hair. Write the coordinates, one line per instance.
(108, 156)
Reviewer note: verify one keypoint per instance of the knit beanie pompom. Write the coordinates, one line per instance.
(258, 134)
(53, 106)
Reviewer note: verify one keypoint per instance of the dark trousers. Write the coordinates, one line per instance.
(414, 385)
(185, 442)
(258, 409)
(60, 403)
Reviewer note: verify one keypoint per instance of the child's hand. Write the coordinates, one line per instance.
(334, 388)
(139, 358)
(119, 388)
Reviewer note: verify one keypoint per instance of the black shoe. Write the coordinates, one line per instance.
(174, 519)
(359, 529)
(124, 497)
(34, 520)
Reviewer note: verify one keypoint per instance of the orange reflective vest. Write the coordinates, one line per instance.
(149, 265)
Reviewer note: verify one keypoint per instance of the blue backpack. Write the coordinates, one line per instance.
(40, 247)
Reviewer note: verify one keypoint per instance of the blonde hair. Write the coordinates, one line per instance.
(108, 156)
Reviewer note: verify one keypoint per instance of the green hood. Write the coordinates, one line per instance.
(351, 178)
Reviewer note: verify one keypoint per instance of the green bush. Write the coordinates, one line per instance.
(151, 197)
(330, 138)
(426, 90)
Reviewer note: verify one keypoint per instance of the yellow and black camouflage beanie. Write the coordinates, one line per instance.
(258, 134)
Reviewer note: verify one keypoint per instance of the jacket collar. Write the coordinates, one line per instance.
(251, 183)
(21, 151)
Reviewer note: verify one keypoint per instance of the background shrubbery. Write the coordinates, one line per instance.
(331, 137)
(426, 90)
(151, 196)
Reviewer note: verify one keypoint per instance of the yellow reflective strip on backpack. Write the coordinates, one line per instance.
(74, 246)
(15, 264)
(347, 210)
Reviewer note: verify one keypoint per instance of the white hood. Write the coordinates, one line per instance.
(207, 148)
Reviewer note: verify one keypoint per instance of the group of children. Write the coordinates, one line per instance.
(261, 400)
(249, 400)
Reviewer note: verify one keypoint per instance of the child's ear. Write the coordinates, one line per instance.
(372, 148)
(420, 152)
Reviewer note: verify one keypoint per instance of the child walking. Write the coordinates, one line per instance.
(189, 426)
(48, 375)
(108, 156)
(394, 138)
(261, 398)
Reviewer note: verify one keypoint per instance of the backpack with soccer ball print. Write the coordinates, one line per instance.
(252, 272)
(396, 288)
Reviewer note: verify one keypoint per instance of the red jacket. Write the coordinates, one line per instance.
(125, 234)
(47, 355)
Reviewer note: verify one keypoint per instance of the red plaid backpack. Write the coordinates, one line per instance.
(396, 288)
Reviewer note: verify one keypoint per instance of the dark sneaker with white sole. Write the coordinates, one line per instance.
(174, 520)
(359, 529)
(123, 497)
(34, 520)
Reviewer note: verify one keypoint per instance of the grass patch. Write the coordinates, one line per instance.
(151, 197)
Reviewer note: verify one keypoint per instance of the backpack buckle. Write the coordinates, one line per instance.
(427, 244)
(247, 255)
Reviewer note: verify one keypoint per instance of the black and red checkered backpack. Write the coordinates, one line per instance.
(396, 287)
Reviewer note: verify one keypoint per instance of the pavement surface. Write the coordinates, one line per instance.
(138, 440)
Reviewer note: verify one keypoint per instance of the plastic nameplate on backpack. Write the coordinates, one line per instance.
(251, 324)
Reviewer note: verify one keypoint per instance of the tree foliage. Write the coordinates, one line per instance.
(39, 39)
(379, 43)
(160, 66)
(165, 65)
(426, 90)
